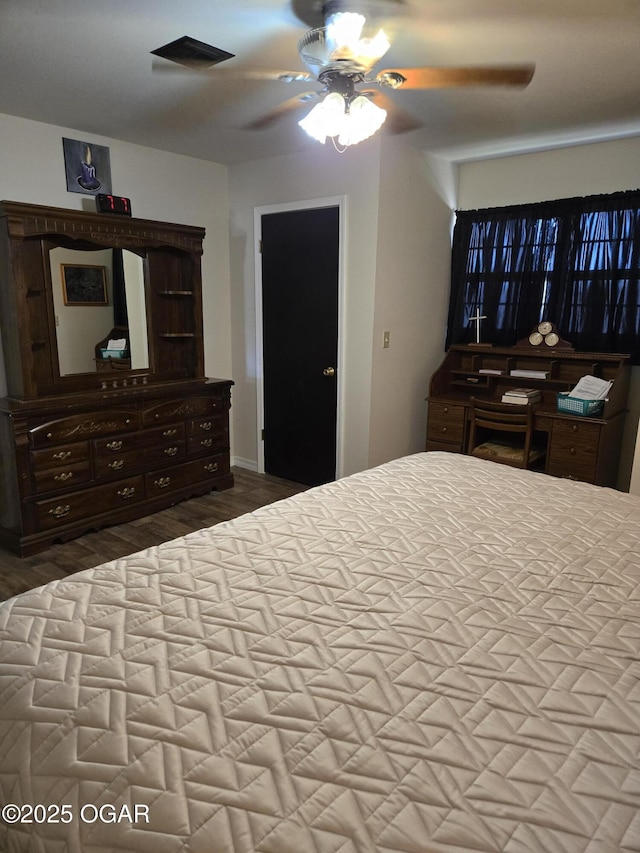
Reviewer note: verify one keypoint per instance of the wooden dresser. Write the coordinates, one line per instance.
(577, 447)
(89, 449)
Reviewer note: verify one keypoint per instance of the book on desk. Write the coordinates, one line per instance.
(522, 396)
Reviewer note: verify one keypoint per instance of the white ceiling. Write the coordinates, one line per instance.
(86, 65)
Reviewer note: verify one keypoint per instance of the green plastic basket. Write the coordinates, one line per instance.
(576, 406)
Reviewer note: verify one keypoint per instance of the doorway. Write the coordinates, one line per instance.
(298, 321)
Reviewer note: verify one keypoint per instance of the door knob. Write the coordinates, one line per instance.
(329, 371)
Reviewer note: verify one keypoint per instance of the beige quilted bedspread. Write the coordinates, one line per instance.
(440, 654)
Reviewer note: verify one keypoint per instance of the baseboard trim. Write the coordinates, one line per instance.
(247, 464)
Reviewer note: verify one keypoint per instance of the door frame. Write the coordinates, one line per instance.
(264, 210)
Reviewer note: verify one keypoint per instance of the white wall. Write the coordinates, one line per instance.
(578, 170)
(80, 327)
(600, 167)
(397, 258)
(162, 186)
(417, 197)
(319, 173)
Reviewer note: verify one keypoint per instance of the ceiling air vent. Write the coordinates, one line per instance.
(192, 53)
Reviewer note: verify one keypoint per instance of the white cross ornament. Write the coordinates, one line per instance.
(476, 320)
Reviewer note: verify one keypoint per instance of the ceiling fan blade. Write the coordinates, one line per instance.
(283, 75)
(282, 110)
(398, 120)
(442, 78)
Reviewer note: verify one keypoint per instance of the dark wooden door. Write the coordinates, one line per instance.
(300, 251)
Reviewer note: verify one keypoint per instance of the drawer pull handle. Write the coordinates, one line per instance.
(206, 442)
(60, 511)
(162, 482)
(127, 493)
(116, 465)
(444, 429)
(63, 454)
(211, 467)
(169, 433)
(114, 445)
(62, 478)
(206, 426)
(170, 451)
(574, 427)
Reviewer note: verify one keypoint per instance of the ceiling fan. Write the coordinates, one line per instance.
(340, 55)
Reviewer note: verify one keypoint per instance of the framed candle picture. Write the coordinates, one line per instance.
(84, 284)
(87, 167)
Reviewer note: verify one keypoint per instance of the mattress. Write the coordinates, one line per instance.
(438, 654)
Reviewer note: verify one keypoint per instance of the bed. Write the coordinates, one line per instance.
(438, 654)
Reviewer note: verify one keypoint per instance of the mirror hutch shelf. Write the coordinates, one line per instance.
(108, 414)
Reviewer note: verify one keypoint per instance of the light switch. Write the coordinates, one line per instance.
(385, 340)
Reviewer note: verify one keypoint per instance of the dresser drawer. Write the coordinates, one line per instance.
(574, 442)
(199, 444)
(54, 457)
(184, 475)
(82, 427)
(56, 512)
(446, 423)
(182, 409)
(443, 446)
(573, 450)
(204, 426)
(162, 455)
(110, 465)
(569, 471)
(207, 434)
(119, 444)
(65, 477)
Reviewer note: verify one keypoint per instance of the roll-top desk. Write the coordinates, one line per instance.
(578, 447)
(85, 448)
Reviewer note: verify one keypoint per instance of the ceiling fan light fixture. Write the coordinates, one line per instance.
(344, 29)
(344, 37)
(362, 120)
(345, 122)
(326, 118)
(341, 45)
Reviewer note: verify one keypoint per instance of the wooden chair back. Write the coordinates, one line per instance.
(504, 419)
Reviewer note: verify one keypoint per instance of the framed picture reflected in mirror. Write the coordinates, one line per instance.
(84, 284)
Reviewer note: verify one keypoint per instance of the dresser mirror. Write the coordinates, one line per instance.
(92, 434)
(82, 320)
(73, 281)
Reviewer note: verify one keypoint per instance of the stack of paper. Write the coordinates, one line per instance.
(119, 343)
(591, 388)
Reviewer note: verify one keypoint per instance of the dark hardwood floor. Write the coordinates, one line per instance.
(250, 492)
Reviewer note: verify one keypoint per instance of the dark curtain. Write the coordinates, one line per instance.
(120, 317)
(502, 263)
(574, 262)
(598, 308)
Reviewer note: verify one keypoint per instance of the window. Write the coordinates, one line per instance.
(574, 261)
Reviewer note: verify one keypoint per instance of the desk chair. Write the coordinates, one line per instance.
(503, 432)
